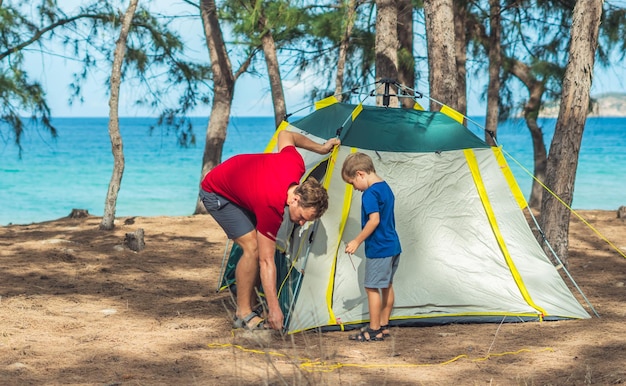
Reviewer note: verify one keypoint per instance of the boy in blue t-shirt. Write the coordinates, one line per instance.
(382, 245)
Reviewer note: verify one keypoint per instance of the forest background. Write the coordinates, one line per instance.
(55, 69)
(523, 47)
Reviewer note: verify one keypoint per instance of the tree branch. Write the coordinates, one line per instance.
(40, 32)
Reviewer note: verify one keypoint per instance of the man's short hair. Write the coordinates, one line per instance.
(313, 195)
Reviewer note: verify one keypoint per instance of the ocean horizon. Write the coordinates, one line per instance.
(54, 176)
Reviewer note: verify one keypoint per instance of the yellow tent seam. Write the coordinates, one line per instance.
(357, 110)
(484, 198)
(331, 100)
(272, 143)
(345, 211)
(452, 113)
(327, 178)
(330, 167)
(417, 106)
(510, 179)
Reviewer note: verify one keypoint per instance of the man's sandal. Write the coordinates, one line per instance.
(245, 322)
(368, 335)
(261, 310)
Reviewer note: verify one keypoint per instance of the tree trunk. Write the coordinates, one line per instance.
(406, 60)
(387, 46)
(442, 67)
(532, 106)
(565, 146)
(108, 219)
(539, 157)
(273, 71)
(223, 91)
(495, 63)
(343, 47)
(460, 51)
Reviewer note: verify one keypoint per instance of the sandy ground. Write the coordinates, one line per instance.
(77, 307)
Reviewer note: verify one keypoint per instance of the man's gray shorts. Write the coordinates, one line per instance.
(235, 220)
(379, 272)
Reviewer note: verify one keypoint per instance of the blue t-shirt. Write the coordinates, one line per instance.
(384, 241)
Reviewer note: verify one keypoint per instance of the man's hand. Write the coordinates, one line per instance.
(291, 138)
(330, 144)
(275, 318)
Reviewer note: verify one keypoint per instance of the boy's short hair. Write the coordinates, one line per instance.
(355, 162)
(313, 195)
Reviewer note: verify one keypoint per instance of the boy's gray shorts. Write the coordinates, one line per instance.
(234, 220)
(379, 272)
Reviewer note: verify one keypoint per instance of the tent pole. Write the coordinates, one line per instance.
(305, 256)
(561, 265)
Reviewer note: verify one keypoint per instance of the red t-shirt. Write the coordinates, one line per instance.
(258, 183)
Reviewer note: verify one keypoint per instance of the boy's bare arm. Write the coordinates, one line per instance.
(371, 224)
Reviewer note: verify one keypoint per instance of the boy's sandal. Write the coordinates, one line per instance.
(246, 324)
(383, 329)
(368, 335)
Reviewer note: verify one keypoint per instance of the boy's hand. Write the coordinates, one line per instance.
(352, 246)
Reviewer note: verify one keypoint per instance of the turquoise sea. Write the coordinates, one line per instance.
(54, 176)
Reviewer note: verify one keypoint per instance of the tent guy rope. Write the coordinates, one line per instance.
(312, 365)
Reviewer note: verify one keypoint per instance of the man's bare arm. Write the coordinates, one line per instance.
(290, 138)
(267, 268)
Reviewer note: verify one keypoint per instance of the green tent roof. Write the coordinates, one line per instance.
(390, 129)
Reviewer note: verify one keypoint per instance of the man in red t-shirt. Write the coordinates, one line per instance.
(247, 195)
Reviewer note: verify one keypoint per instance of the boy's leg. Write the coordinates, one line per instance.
(377, 275)
(375, 306)
(373, 332)
(388, 298)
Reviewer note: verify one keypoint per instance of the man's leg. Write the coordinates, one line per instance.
(247, 273)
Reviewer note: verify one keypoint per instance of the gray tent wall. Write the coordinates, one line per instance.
(452, 267)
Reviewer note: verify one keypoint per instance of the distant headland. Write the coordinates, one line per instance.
(603, 105)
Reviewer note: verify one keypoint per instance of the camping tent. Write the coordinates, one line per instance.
(469, 254)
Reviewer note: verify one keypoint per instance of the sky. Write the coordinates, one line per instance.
(252, 95)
